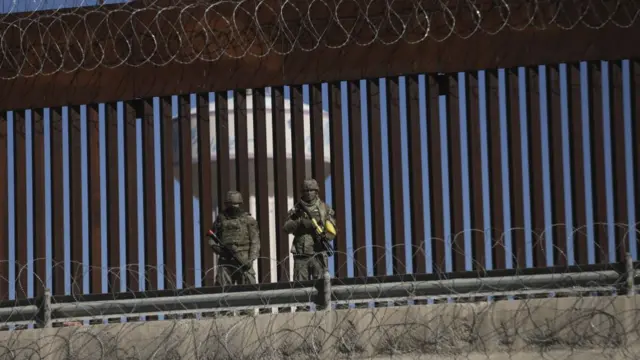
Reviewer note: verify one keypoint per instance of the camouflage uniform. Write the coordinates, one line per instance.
(309, 258)
(238, 230)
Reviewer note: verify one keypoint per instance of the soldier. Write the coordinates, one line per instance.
(239, 242)
(310, 258)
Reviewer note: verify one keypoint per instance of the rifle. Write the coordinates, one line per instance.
(320, 234)
(229, 253)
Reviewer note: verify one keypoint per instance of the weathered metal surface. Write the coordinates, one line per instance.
(4, 206)
(168, 202)
(204, 185)
(280, 181)
(20, 204)
(482, 51)
(113, 205)
(57, 209)
(75, 198)
(39, 202)
(94, 199)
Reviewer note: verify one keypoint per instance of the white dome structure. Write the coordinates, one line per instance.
(250, 199)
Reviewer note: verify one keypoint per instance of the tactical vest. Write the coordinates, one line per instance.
(305, 244)
(234, 231)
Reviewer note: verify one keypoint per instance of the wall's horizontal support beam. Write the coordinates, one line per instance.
(607, 280)
(507, 48)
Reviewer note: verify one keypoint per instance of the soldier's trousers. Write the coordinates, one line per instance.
(309, 267)
(230, 273)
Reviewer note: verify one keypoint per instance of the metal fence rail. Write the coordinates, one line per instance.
(323, 293)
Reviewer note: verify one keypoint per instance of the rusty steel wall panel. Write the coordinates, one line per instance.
(598, 164)
(618, 157)
(519, 232)
(416, 196)
(634, 96)
(574, 102)
(113, 204)
(57, 209)
(434, 151)
(242, 143)
(204, 185)
(39, 202)
(378, 235)
(144, 78)
(495, 169)
(4, 207)
(337, 177)
(95, 216)
(20, 212)
(280, 181)
(222, 146)
(559, 231)
(297, 139)
(144, 111)
(474, 149)
(186, 191)
(394, 130)
(131, 196)
(317, 136)
(536, 179)
(357, 178)
(456, 172)
(262, 183)
(168, 201)
(75, 198)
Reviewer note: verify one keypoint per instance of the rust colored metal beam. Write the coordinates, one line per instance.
(634, 96)
(357, 178)
(337, 177)
(262, 183)
(598, 162)
(204, 184)
(4, 207)
(456, 172)
(495, 169)
(297, 138)
(559, 230)
(434, 151)
(519, 231)
(168, 200)
(378, 235)
(20, 176)
(536, 190)
(618, 157)
(482, 51)
(95, 216)
(574, 107)
(280, 180)
(131, 196)
(145, 113)
(222, 144)
(317, 136)
(242, 143)
(474, 148)
(416, 198)
(186, 191)
(113, 200)
(75, 198)
(57, 209)
(39, 202)
(394, 129)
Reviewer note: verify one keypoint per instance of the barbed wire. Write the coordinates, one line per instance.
(161, 32)
(475, 250)
(579, 326)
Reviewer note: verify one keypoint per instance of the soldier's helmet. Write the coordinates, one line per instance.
(233, 197)
(310, 184)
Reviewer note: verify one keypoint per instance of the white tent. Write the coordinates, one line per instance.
(250, 200)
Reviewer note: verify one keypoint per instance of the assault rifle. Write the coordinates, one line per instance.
(321, 237)
(226, 251)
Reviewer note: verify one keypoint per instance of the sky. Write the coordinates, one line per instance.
(329, 196)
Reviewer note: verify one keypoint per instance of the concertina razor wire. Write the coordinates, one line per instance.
(70, 35)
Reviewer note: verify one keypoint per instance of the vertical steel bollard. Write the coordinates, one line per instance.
(323, 299)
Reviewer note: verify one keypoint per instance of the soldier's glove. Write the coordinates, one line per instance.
(211, 242)
(307, 223)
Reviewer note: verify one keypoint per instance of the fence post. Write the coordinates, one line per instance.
(44, 310)
(323, 299)
(630, 275)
